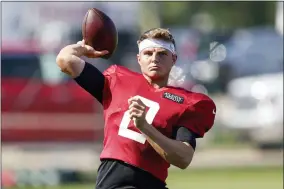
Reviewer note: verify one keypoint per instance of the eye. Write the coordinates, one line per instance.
(163, 53)
(149, 53)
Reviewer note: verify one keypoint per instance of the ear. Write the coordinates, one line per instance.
(138, 58)
(174, 59)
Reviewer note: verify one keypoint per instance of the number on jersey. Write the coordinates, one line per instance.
(150, 115)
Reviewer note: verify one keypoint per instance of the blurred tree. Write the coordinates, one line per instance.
(174, 13)
(226, 14)
(149, 16)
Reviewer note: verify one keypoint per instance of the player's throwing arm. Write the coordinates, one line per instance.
(69, 60)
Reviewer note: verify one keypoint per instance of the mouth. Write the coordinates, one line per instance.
(154, 68)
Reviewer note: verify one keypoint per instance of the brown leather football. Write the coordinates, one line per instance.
(99, 31)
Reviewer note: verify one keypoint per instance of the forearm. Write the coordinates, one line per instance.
(175, 152)
(69, 61)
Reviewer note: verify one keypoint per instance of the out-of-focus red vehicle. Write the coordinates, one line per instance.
(39, 103)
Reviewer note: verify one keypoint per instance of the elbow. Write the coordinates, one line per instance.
(183, 164)
(180, 162)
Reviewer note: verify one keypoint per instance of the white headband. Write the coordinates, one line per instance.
(146, 43)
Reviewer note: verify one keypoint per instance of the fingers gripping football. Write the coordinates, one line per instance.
(89, 51)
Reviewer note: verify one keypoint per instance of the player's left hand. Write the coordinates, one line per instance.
(137, 111)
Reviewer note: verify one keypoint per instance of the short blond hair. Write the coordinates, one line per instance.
(157, 33)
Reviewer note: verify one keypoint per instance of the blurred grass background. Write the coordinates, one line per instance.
(217, 178)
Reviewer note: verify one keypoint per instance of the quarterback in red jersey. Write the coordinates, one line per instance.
(148, 124)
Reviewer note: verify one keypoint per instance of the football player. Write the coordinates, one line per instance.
(148, 124)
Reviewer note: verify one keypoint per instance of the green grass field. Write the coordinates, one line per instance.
(233, 178)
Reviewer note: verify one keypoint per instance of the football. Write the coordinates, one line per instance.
(99, 31)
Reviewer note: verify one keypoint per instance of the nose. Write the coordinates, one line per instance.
(155, 57)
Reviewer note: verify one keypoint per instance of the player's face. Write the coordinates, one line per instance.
(156, 63)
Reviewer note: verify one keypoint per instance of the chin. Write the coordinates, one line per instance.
(155, 75)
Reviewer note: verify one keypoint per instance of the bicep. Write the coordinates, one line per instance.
(92, 80)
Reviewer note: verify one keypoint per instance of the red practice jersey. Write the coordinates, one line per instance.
(167, 107)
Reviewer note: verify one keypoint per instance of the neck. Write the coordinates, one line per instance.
(157, 83)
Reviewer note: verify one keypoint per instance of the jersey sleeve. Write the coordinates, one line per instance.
(199, 117)
(110, 79)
